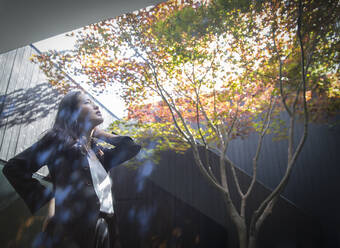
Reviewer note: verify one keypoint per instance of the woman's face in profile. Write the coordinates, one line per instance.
(89, 115)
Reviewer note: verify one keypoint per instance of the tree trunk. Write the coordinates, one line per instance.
(242, 235)
(252, 242)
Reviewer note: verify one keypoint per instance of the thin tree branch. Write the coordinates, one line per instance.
(283, 97)
(203, 140)
(205, 172)
(227, 159)
(171, 107)
(259, 213)
(198, 121)
(230, 205)
(268, 210)
(259, 146)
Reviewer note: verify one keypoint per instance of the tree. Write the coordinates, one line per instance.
(199, 74)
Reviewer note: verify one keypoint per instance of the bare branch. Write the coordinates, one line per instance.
(205, 173)
(215, 128)
(198, 121)
(230, 205)
(309, 59)
(283, 97)
(259, 146)
(228, 160)
(215, 111)
(192, 139)
(201, 135)
(267, 211)
(208, 163)
(278, 190)
(233, 166)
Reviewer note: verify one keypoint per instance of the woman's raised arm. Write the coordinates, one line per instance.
(19, 170)
(125, 148)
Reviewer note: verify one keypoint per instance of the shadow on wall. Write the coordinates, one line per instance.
(28, 105)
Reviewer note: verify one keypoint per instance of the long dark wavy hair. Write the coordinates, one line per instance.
(66, 129)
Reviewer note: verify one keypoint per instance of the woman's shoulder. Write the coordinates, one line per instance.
(59, 142)
(50, 138)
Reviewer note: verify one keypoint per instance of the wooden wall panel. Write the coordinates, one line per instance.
(9, 106)
(28, 103)
(7, 61)
(20, 79)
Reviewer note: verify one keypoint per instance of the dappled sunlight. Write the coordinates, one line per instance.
(144, 217)
(27, 106)
(144, 171)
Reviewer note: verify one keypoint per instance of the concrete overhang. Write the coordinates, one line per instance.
(23, 22)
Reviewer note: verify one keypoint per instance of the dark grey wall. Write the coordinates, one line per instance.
(314, 184)
(178, 175)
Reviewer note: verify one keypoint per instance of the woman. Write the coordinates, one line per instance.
(78, 167)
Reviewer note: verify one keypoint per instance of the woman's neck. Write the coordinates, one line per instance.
(87, 137)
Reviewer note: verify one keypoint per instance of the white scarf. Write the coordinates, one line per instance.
(102, 183)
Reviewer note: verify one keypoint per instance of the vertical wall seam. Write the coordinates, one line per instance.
(6, 91)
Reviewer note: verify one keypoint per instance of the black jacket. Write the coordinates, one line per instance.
(76, 203)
